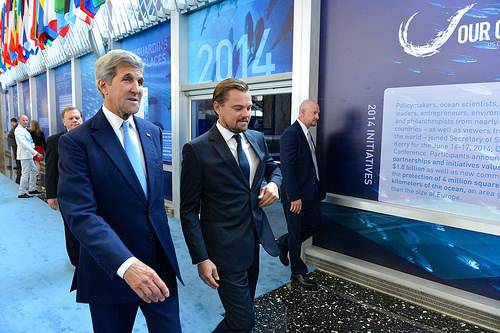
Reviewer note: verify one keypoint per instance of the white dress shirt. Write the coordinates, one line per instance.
(312, 148)
(116, 123)
(252, 157)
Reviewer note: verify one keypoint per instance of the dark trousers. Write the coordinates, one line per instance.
(237, 293)
(300, 227)
(160, 317)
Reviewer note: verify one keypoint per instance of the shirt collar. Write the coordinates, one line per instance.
(226, 134)
(115, 121)
(304, 127)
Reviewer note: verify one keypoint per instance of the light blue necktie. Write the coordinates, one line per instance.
(134, 156)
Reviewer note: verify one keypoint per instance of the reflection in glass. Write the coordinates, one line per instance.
(270, 116)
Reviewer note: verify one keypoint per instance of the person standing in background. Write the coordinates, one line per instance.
(25, 153)
(301, 191)
(40, 145)
(11, 138)
(71, 118)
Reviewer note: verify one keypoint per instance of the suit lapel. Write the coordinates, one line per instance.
(298, 128)
(260, 155)
(105, 138)
(220, 145)
(148, 150)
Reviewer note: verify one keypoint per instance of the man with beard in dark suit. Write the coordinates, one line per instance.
(222, 195)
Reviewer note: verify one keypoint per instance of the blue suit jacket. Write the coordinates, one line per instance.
(106, 209)
(219, 211)
(297, 167)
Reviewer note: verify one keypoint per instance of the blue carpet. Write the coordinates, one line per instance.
(35, 273)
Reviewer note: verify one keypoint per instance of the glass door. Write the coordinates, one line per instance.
(270, 116)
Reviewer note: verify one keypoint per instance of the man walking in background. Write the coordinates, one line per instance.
(110, 192)
(71, 118)
(301, 190)
(11, 138)
(25, 153)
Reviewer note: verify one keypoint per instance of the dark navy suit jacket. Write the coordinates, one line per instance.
(219, 210)
(297, 167)
(106, 209)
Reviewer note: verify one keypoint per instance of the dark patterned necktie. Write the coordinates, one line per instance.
(242, 158)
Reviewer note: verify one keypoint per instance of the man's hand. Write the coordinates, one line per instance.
(268, 194)
(146, 283)
(53, 204)
(208, 273)
(296, 206)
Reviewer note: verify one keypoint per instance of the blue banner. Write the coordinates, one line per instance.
(153, 46)
(367, 47)
(15, 110)
(92, 99)
(63, 88)
(42, 105)
(409, 95)
(240, 39)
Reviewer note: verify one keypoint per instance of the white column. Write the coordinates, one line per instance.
(180, 103)
(33, 102)
(306, 27)
(51, 100)
(76, 84)
(20, 99)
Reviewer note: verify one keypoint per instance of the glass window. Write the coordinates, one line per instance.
(270, 116)
(91, 98)
(42, 104)
(6, 120)
(26, 97)
(15, 108)
(63, 96)
(153, 46)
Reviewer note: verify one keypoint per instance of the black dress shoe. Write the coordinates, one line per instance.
(304, 282)
(284, 254)
(24, 196)
(35, 192)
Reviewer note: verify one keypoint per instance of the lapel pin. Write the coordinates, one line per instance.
(147, 134)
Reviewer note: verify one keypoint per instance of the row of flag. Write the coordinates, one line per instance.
(27, 26)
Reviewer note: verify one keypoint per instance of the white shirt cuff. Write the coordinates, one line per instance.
(123, 267)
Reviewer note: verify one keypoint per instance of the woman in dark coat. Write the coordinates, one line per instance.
(40, 146)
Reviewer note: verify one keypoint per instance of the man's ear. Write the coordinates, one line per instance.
(103, 87)
(216, 107)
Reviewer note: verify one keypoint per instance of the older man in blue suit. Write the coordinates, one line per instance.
(301, 190)
(111, 194)
(222, 195)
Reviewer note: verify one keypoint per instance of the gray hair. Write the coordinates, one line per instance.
(105, 66)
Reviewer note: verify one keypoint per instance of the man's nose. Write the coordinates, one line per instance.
(136, 87)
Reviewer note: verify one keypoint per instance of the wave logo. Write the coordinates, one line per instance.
(433, 46)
